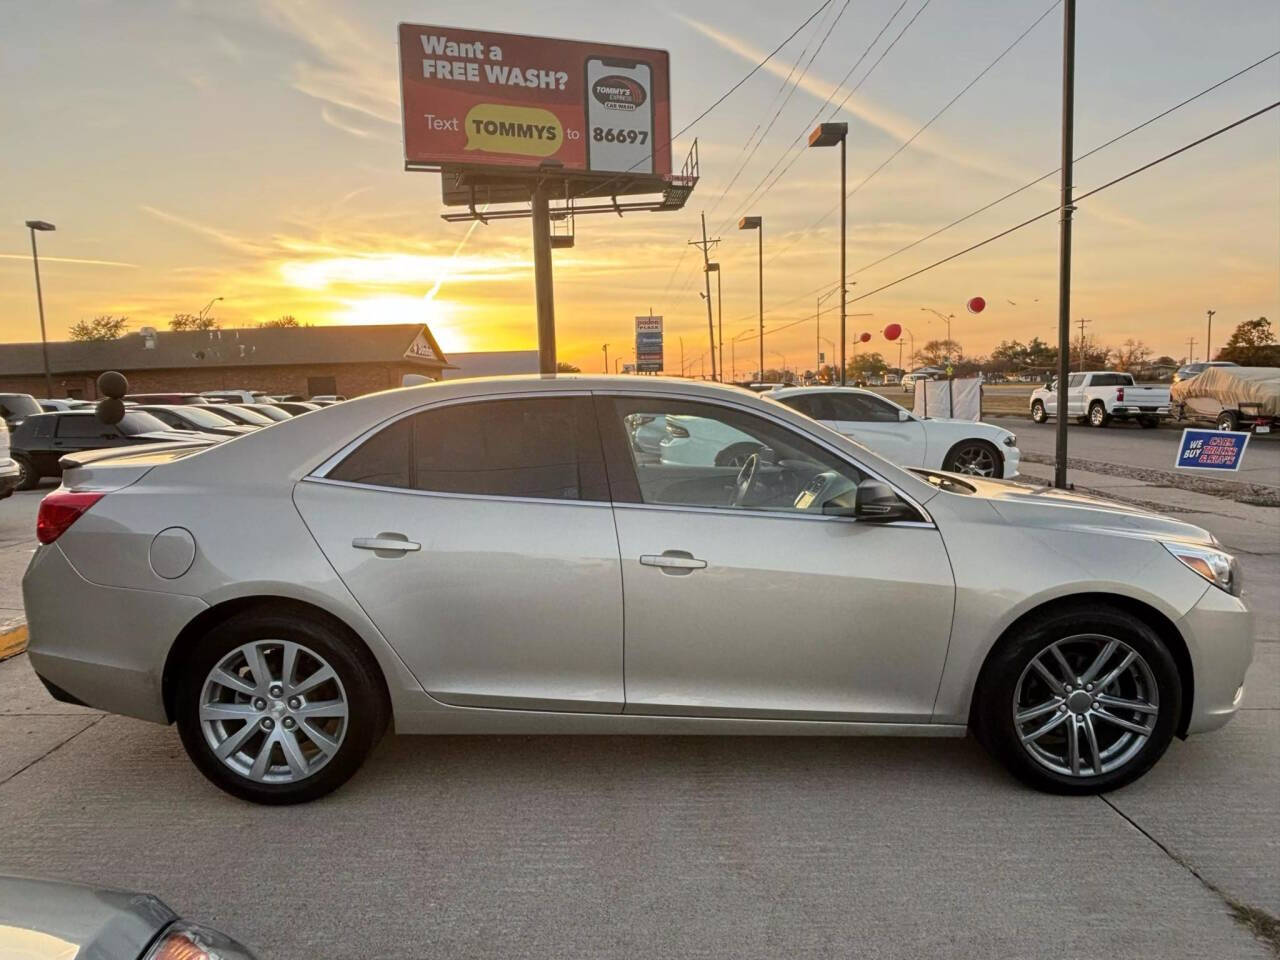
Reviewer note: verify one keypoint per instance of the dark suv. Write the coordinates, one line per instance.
(41, 440)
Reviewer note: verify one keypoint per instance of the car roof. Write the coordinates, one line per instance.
(819, 388)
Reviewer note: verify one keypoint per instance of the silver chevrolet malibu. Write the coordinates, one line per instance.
(499, 556)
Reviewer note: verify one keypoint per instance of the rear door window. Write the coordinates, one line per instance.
(80, 425)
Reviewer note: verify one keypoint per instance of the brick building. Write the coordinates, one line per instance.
(307, 361)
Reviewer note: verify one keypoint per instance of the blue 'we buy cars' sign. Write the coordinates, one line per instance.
(1211, 449)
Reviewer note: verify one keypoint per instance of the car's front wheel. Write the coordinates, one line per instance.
(1037, 412)
(28, 475)
(1079, 701)
(976, 457)
(278, 708)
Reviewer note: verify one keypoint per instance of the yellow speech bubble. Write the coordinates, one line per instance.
(525, 131)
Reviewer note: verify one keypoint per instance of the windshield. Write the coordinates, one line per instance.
(136, 422)
(204, 417)
(19, 405)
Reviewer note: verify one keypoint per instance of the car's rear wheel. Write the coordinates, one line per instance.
(28, 475)
(279, 708)
(1038, 413)
(1227, 420)
(1098, 416)
(1079, 701)
(976, 457)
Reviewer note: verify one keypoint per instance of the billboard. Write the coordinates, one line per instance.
(649, 344)
(499, 100)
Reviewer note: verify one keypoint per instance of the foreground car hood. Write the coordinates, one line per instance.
(1032, 506)
(44, 919)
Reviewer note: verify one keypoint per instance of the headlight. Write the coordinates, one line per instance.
(1216, 566)
(1011, 440)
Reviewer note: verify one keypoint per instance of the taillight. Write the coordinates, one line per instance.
(1119, 393)
(59, 510)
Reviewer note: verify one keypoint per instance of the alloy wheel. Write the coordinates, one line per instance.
(1097, 415)
(273, 711)
(976, 459)
(1085, 705)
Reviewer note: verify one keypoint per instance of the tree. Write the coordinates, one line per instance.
(1095, 356)
(936, 353)
(1132, 355)
(866, 365)
(192, 321)
(1252, 345)
(105, 327)
(563, 367)
(286, 321)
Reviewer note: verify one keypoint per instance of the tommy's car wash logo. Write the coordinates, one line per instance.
(618, 93)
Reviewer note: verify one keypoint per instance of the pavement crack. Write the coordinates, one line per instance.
(1257, 921)
(54, 749)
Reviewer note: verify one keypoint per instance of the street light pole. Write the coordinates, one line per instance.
(33, 226)
(720, 320)
(1208, 353)
(828, 135)
(757, 224)
(1066, 208)
(207, 306)
(605, 348)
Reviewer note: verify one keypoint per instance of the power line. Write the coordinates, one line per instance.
(1040, 216)
(817, 113)
(1026, 186)
(721, 99)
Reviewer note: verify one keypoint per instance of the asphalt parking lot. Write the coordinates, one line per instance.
(670, 847)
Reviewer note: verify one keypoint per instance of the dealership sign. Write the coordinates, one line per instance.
(478, 99)
(649, 344)
(1212, 449)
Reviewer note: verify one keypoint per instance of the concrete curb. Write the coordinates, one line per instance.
(13, 641)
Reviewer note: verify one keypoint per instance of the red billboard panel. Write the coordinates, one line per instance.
(500, 100)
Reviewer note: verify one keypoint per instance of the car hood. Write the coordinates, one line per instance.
(45, 919)
(1033, 506)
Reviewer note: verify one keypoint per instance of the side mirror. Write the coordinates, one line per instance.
(875, 502)
(903, 415)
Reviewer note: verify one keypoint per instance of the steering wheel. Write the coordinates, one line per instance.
(745, 485)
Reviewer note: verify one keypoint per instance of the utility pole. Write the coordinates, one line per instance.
(1191, 350)
(706, 246)
(1208, 337)
(1082, 321)
(681, 339)
(605, 348)
(720, 320)
(1065, 208)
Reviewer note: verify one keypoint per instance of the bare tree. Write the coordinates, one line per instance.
(105, 327)
(286, 321)
(192, 321)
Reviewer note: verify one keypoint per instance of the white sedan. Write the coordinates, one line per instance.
(897, 434)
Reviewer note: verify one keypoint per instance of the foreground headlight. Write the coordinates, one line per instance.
(1011, 440)
(1216, 566)
(191, 941)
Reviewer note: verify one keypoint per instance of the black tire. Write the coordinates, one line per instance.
(1098, 416)
(1038, 414)
(1227, 420)
(736, 454)
(28, 475)
(368, 710)
(1148, 423)
(994, 696)
(964, 455)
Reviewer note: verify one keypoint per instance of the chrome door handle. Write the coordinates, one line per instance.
(387, 543)
(673, 560)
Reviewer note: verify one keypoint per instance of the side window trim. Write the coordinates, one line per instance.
(321, 472)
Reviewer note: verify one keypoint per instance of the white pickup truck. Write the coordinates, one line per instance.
(1100, 396)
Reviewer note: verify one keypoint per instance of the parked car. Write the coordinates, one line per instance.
(241, 413)
(268, 410)
(191, 417)
(908, 380)
(51, 919)
(40, 441)
(1189, 370)
(166, 398)
(53, 404)
(295, 408)
(16, 407)
(472, 556)
(235, 396)
(894, 432)
(1231, 398)
(10, 474)
(1097, 397)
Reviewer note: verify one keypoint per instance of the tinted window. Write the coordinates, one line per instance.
(546, 448)
(859, 406)
(1111, 380)
(810, 404)
(82, 425)
(136, 422)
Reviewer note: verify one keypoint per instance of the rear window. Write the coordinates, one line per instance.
(1111, 380)
(18, 405)
(136, 422)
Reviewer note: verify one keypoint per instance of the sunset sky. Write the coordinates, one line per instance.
(252, 150)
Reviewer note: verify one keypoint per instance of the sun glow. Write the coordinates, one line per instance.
(440, 315)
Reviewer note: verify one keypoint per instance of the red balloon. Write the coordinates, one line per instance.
(893, 331)
(865, 338)
(977, 305)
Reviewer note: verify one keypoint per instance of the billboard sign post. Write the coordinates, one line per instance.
(649, 344)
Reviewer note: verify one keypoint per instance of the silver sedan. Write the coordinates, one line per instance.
(498, 556)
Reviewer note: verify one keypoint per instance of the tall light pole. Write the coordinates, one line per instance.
(714, 267)
(1065, 208)
(947, 318)
(1208, 353)
(33, 226)
(207, 306)
(757, 223)
(828, 135)
(605, 348)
